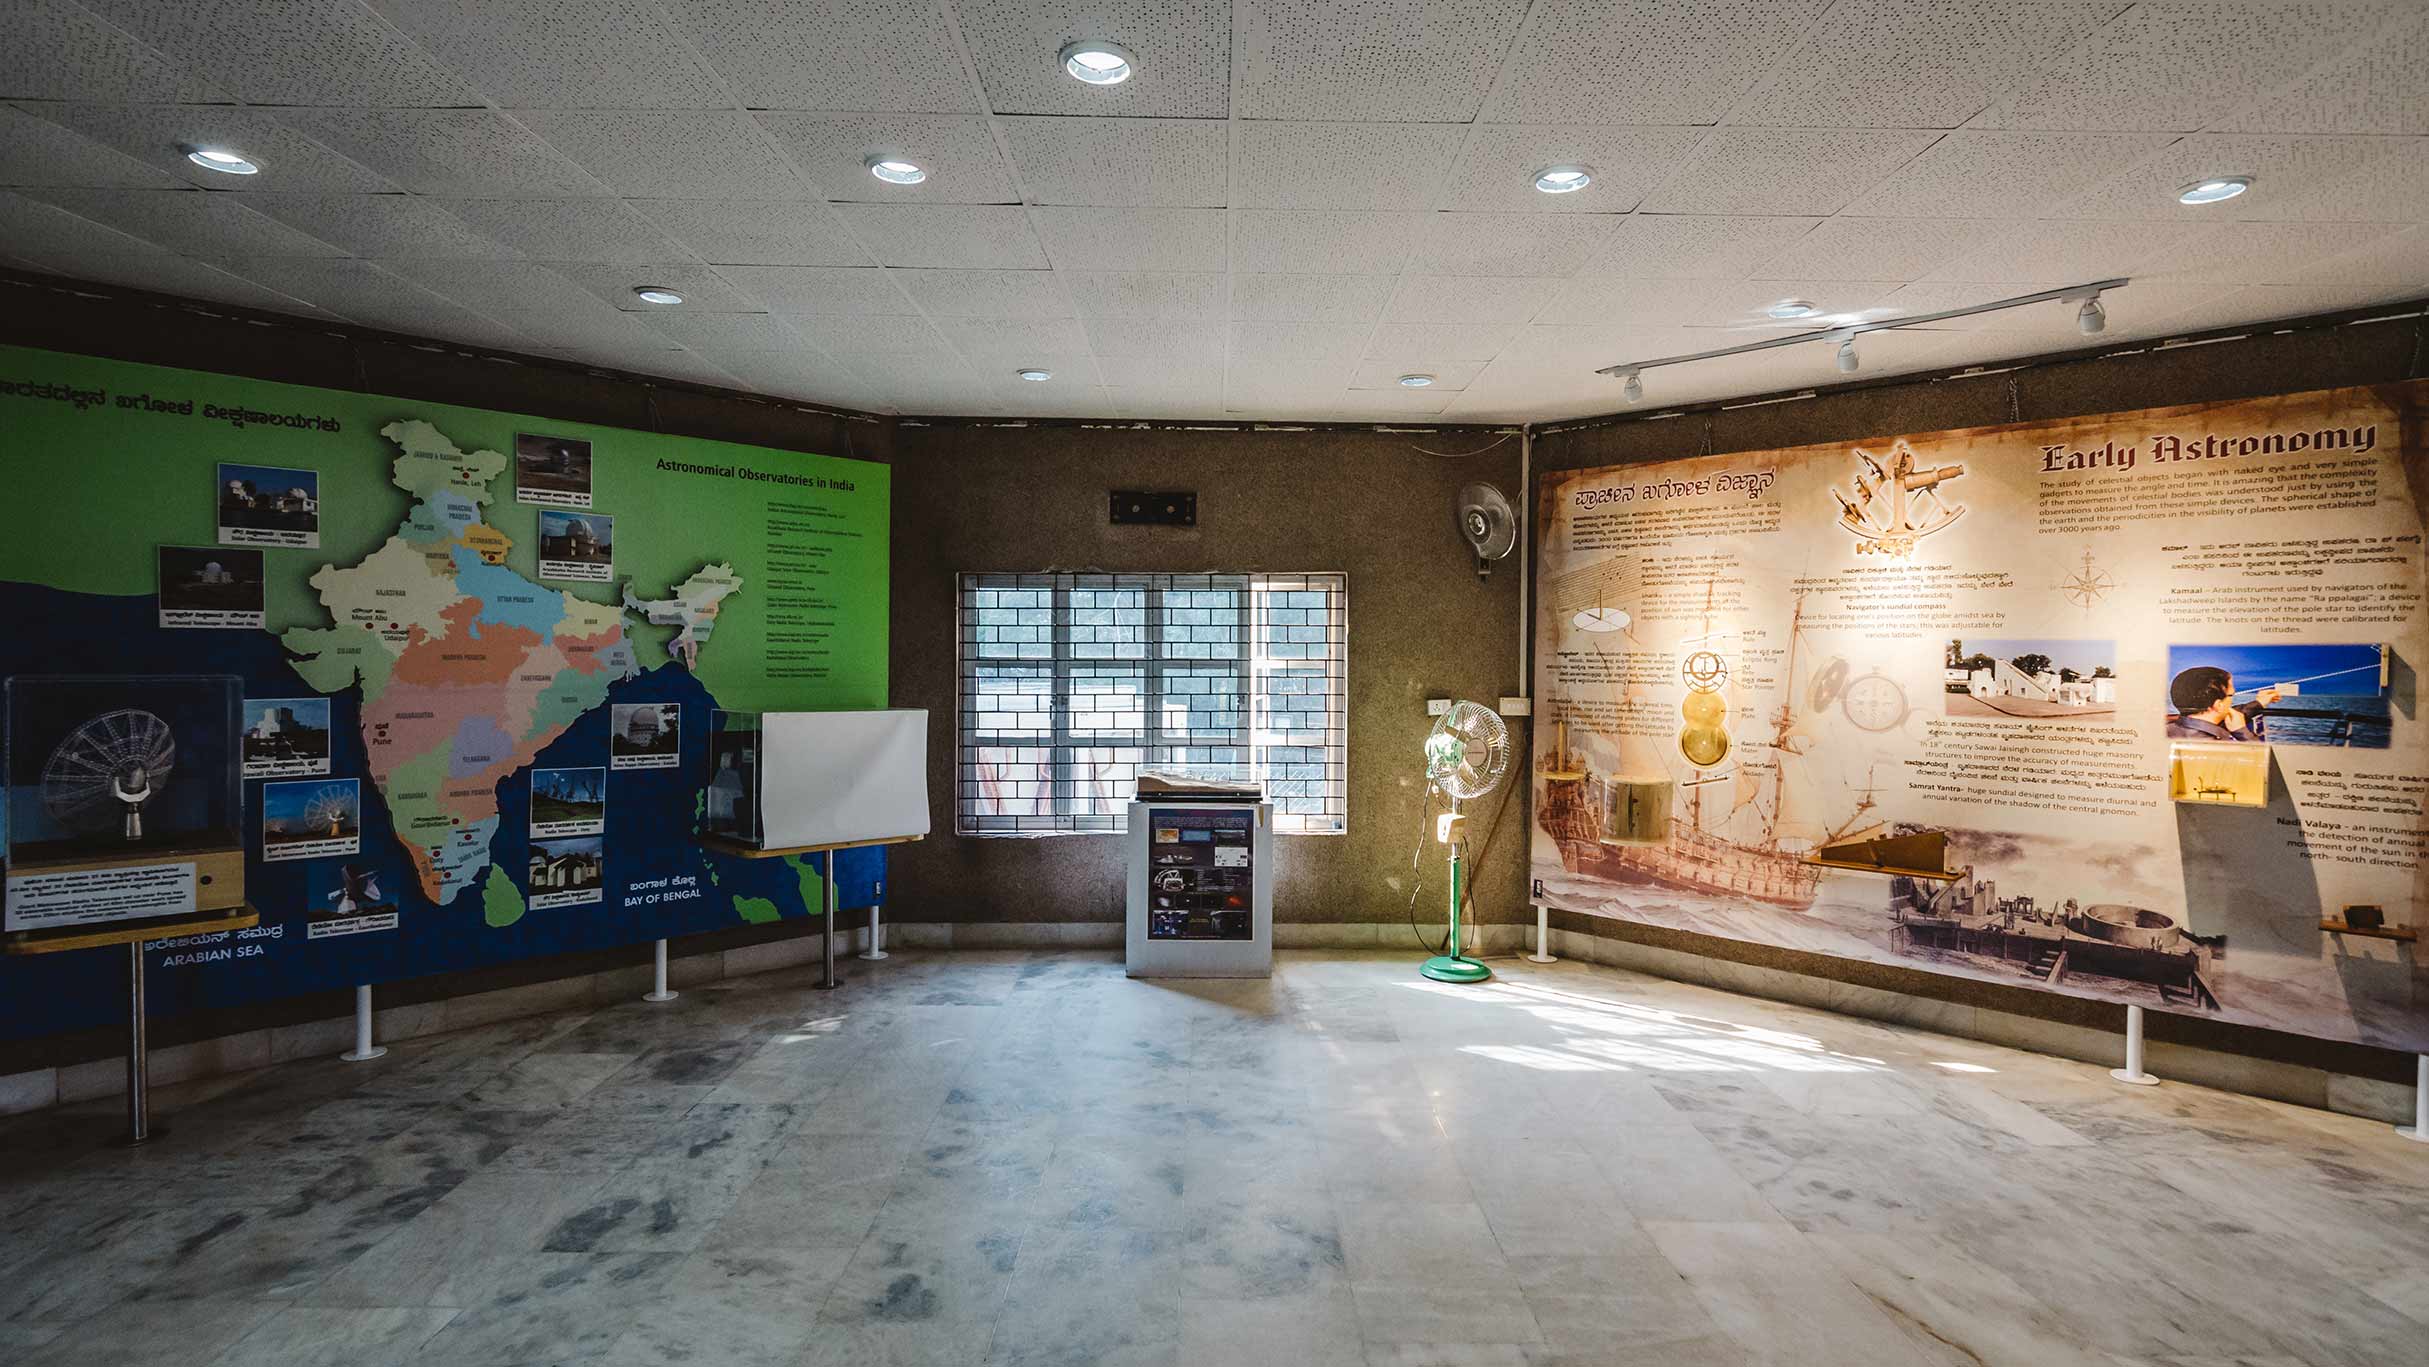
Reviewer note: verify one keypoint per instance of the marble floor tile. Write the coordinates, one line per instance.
(1005, 1159)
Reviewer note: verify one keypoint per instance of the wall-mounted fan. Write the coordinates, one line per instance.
(1466, 757)
(1486, 521)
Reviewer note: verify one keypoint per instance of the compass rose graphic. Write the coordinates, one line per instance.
(2087, 584)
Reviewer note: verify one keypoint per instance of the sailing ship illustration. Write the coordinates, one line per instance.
(1751, 844)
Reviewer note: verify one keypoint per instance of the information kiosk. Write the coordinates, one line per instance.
(1201, 880)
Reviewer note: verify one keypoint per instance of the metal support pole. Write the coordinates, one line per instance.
(1543, 936)
(139, 1062)
(827, 932)
(660, 993)
(2420, 1103)
(363, 1050)
(2132, 1071)
(877, 932)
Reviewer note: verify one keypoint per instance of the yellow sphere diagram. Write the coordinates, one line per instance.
(1704, 746)
(1703, 709)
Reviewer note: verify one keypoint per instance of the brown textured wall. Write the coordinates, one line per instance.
(1373, 505)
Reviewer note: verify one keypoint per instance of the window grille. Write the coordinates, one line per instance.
(1071, 682)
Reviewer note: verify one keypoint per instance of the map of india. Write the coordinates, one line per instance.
(468, 670)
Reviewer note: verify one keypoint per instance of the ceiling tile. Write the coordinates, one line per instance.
(1177, 162)
(157, 135)
(58, 50)
(1986, 175)
(1783, 170)
(599, 230)
(1385, 405)
(2390, 188)
(1471, 299)
(1450, 376)
(2264, 253)
(190, 222)
(1686, 246)
(385, 226)
(1642, 61)
(1182, 50)
(2131, 75)
(881, 55)
(1320, 243)
(1878, 248)
(1162, 371)
(502, 289)
(1014, 341)
(1914, 63)
(1405, 61)
(795, 373)
(2398, 264)
(1167, 402)
(1178, 341)
(985, 294)
(954, 236)
(33, 227)
(1312, 298)
(856, 333)
(1496, 170)
(703, 290)
(672, 154)
(1280, 346)
(474, 152)
(366, 294)
(1409, 342)
(2272, 303)
(35, 151)
(1344, 165)
(2380, 85)
(162, 273)
(1510, 244)
(2285, 171)
(582, 324)
(957, 151)
(541, 54)
(2144, 299)
(717, 331)
(292, 52)
(726, 232)
(1145, 294)
(1736, 304)
(819, 289)
(2059, 253)
(1081, 239)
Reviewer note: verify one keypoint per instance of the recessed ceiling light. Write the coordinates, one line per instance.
(2213, 190)
(657, 294)
(1562, 180)
(1097, 62)
(1415, 381)
(219, 159)
(1034, 373)
(1792, 308)
(895, 170)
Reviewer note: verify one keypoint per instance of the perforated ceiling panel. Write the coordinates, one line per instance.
(1406, 61)
(1182, 47)
(872, 55)
(958, 153)
(546, 54)
(1174, 162)
(1282, 204)
(314, 52)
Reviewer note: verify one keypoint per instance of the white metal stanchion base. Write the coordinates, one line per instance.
(364, 1050)
(877, 942)
(660, 992)
(2132, 1073)
(1543, 937)
(2418, 1132)
(2134, 1079)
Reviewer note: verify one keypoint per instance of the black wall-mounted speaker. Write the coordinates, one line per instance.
(1136, 508)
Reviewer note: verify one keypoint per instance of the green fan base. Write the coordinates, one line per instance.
(1453, 968)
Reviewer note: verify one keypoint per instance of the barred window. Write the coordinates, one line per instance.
(1071, 682)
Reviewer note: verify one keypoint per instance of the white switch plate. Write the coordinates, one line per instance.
(1435, 707)
(1516, 707)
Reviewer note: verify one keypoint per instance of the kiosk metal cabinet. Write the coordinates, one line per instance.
(1201, 888)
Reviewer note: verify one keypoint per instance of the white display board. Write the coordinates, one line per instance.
(835, 778)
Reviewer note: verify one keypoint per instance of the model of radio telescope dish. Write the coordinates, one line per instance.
(1486, 521)
(110, 766)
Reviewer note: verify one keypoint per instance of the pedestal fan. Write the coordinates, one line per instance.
(1466, 757)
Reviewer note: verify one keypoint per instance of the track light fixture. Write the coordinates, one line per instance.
(2091, 317)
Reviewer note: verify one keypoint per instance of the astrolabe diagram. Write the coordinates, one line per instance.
(110, 766)
(1704, 740)
(1897, 503)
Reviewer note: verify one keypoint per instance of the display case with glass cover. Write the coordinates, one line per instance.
(125, 798)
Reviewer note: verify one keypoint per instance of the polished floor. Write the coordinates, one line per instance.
(1014, 1159)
